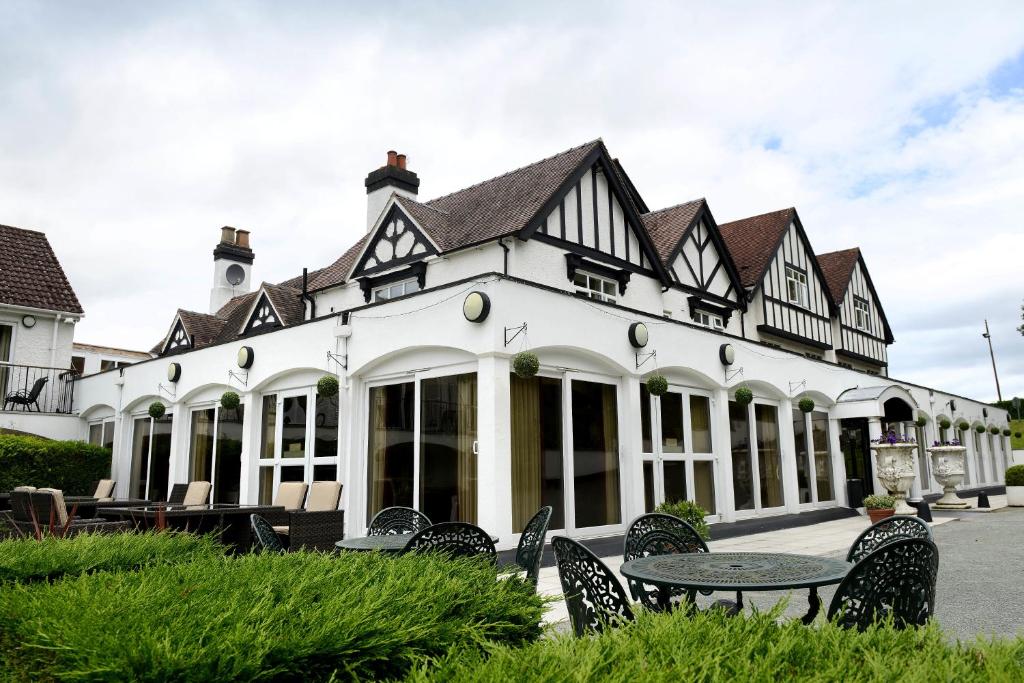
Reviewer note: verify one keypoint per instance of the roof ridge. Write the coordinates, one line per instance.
(674, 206)
(839, 251)
(400, 198)
(760, 215)
(516, 170)
(15, 227)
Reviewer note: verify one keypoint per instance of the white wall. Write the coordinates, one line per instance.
(36, 345)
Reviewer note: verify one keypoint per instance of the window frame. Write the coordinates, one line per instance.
(861, 314)
(588, 290)
(712, 321)
(375, 293)
(797, 277)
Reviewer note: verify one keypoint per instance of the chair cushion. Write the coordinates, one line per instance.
(323, 495)
(28, 489)
(198, 493)
(281, 530)
(290, 494)
(104, 489)
(60, 511)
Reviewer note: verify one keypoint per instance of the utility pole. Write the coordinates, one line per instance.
(992, 354)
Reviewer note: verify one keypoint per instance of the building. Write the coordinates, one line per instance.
(88, 359)
(420, 320)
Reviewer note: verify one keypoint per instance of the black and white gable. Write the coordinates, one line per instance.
(263, 316)
(178, 339)
(395, 240)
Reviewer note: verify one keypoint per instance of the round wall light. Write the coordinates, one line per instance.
(476, 306)
(28, 321)
(726, 354)
(173, 372)
(245, 357)
(638, 335)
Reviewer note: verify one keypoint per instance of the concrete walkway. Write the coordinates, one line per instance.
(978, 590)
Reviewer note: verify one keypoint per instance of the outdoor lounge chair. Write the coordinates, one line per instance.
(45, 510)
(27, 398)
(320, 524)
(457, 539)
(886, 531)
(290, 496)
(397, 520)
(594, 596)
(531, 544)
(198, 493)
(177, 494)
(104, 490)
(897, 579)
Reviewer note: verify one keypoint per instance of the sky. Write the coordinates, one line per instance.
(130, 132)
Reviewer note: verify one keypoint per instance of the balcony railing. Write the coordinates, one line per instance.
(33, 388)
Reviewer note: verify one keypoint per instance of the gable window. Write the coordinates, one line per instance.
(796, 286)
(709, 320)
(595, 286)
(861, 314)
(393, 291)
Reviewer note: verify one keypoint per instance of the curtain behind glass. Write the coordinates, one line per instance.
(200, 458)
(467, 435)
(822, 456)
(447, 464)
(742, 467)
(536, 426)
(391, 446)
(229, 456)
(803, 466)
(700, 423)
(595, 454)
(160, 455)
(269, 421)
(766, 420)
(140, 458)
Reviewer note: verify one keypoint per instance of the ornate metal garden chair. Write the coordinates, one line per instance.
(593, 595)
(265, 535)
(886, 531)
(531, 544)
(397, 520)
(457, 539)
(897, 579)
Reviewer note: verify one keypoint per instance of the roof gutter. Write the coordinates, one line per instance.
(44, 311)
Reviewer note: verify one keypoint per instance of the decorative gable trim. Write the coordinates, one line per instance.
(714, 237)
(874, 295)
(178, 339)
(396, 240)
(262, 316)
(697, 303)
(794, 221)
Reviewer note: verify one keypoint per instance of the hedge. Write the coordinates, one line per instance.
(27, 560)
(296, 616)
(72, 466)
(713, 647)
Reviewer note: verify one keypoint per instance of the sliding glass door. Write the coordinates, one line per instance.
(813, 459)
(215, 451)
(756, 456)
(422, 447)
(536, 450)
(151, 458)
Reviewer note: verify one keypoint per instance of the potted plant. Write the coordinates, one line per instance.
(1015, 486)
(948, 469)
(894, 458)
(327, 386)
(744, 395)
(880, 507)
(157, 410)
(657, 385)
(944, 423)
(525, 364)
(1006, 432)
(806, 405)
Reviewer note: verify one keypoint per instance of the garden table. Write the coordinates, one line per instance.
(230, 520)
(738, 572)
(388, 543)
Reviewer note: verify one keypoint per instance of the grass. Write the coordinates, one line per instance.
(713, 647)
(27, 559)
(293, 617)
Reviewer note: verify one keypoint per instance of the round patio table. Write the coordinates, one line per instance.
(388, 543)
(738, 572)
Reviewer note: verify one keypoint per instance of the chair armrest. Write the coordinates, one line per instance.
(315, 530)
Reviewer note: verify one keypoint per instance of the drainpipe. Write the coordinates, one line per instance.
(53, 343)
(501, 243)
(305, 294)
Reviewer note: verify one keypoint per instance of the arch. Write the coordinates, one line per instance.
(820, 399)
(761, 389)
(564, 356)
(425, 356)
(683, 376)
(212, 388)
(146, 399)
(896, 409)
(97, 410)
(305, 376)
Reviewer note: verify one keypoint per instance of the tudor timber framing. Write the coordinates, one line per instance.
(714, 237)
(393, 212)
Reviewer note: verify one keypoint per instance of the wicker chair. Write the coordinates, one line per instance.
(397, 520)
(594, 596)
(46, 511)
(886, 531)
(197, 493)
(321, 523)
(897, 579)
(177, 495)
(531, 544)
(265, 535)
(457, 539)
(104, 490)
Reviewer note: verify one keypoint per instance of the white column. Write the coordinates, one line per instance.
(345, 419)
(354, 465)
(248, 484)
(874, 432)
(178, 470)
(494, 449)
(632, 460)
(721, 441)
(787, 455)
(838, 462)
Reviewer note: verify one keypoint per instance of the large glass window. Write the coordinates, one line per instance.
(326, 427)
(742, 463)
(215, 451)
(757, 461)
(391, 446)
(861, 314)
(595, 454)
(140, 458)
(672, 438)
(200, 461)
(536, 450)
(700, 424)
(293, 431)
(769, 457)
(803, 457)
(645, 420)
(448, 448)
(595, 286)
(160, 459)
(822, 456)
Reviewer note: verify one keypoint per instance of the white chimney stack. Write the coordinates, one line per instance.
(232, 267)
(381, 183)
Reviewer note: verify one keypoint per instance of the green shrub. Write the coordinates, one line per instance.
(294, 617)
(1015, 475)
(806, 405)
(26, 559)
(72, 466)
(327, 386)
(945, 423)
(525, 364)
(711, 647)
(157, 410)
(744, 396)
(690, 512)
(877, 502)
(657, 385)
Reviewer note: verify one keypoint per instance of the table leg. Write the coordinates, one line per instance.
(664, 599)
(815, 606)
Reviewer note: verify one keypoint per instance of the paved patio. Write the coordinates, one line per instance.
(980, 556)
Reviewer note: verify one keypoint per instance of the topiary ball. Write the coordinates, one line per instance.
(806, 405)
(1006, 432)
(327, 386)
(993, 430)
(1017, 435)
(657, 385)
(744, 396)
(945, 424)
(980, 429)
(157, 410)
(525, 364)
(229, 400)
(963, 425)
(921, 421)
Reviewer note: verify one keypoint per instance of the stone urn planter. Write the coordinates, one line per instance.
(948, 470)
(895, 464)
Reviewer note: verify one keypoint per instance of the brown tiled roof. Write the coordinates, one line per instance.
(336, 273)
(288, 302)
(203, 328)
(667, 226)
(752, 242)
(837, 266)
(31, 275)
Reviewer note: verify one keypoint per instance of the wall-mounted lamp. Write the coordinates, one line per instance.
(727, 354)
(246, 356)
(173, 372)
(476, 306)
(638, 335)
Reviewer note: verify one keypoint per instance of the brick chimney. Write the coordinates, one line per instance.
(393, 177)
(232, 267)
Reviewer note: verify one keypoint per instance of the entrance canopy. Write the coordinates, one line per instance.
(890, 403)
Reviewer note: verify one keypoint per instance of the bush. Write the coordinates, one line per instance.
(230, 400)
(657, 385)
(945, 423)
(690, 512)
(27, 560)
(72, 466)
(712, 647)
(526, 364)
(327, 386)
(877, 502)
(806, 405)
(1015, 475)
(744, 396)
(157, 410)
(296, 616)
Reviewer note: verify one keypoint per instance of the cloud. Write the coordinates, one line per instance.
(132, 132)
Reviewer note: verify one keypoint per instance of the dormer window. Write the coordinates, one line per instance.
(861, 314)
(395, 290)
(796, 286)
(595, 286)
